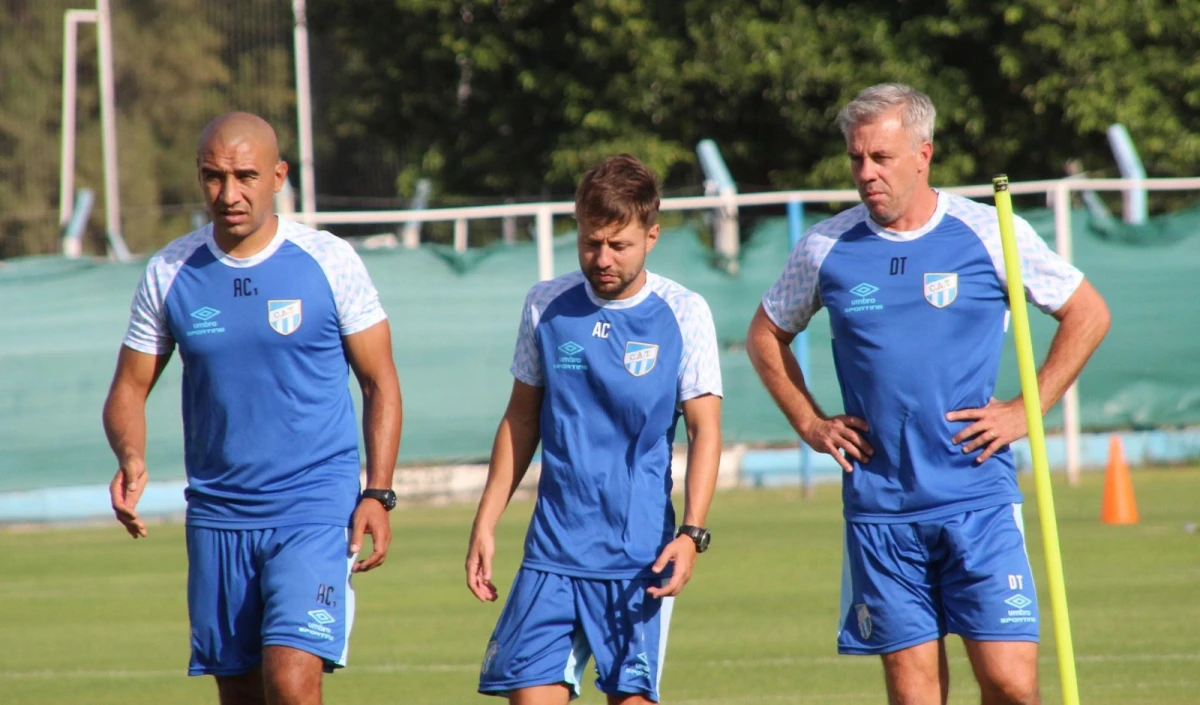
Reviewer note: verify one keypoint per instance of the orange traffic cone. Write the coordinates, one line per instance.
(1119, 505)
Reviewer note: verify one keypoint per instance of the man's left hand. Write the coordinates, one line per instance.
(681, 552)
(996, 425)
(370, 518)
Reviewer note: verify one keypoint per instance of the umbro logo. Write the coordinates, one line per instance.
(864, 290)
(570, 348)
(1019, 601)
(204, 313)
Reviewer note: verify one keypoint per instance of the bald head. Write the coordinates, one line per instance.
(240, 172)
(232, 129)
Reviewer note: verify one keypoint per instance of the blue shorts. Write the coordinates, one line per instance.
(250, 588)
(551, 624)
(906, 584)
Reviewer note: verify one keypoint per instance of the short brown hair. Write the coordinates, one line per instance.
(616, 191)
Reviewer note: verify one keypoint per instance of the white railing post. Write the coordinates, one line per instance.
(460, 235)
(1070, 402)
(545, 243)
(308, 185)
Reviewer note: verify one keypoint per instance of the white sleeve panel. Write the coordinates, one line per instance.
(700, 364)
(527, 364)
(1048, 279)
(354, 294)
(148, 331)
(795, 297)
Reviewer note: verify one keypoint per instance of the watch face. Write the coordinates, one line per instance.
(702, 541)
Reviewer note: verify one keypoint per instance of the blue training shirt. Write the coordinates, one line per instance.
(615, 375)
(270, 437)
(918, 321)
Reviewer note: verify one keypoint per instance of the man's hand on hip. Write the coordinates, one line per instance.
(840, 434)
(996, 425)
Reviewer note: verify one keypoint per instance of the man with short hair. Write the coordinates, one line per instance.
(607, 359)
(269, 317)
(915, 284)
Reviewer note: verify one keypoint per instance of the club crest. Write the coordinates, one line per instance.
(284, 315)
(941, 289)
(640, 358)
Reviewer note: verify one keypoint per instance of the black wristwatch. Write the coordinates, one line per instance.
(385, 497)
(701, 536)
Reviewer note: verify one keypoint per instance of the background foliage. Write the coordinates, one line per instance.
(514, 98)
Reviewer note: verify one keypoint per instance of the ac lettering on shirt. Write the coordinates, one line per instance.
(241, 287)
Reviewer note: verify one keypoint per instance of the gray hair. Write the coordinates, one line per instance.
(916, 110)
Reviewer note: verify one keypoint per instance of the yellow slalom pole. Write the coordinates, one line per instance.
(1037, 442)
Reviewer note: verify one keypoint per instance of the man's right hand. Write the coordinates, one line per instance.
(125, 490)
(840, 434)
(479, 565)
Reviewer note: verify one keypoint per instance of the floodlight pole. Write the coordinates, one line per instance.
(308, 188)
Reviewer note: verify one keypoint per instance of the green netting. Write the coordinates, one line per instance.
(454, 321)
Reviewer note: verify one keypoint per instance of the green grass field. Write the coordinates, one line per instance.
(89, 616)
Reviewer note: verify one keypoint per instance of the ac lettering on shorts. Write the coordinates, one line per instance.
(325, 595)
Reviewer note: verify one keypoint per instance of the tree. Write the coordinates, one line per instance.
(518, 96)
(174, 71)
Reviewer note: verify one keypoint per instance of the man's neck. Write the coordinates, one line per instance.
(922, 208)
(252, 244)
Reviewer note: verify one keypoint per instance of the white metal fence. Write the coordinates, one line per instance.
(1057, 191)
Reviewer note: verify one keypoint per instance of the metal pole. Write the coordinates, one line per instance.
(66, 185)
(1070, 402)
(795, 219)
(460, 235)
(545, 243)
(308, 186)
(108, 123)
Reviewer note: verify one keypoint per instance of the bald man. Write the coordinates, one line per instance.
(266, 314)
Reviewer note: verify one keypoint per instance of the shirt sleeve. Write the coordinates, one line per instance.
(1049, 280)
(357, 300)
(700, 369)
(795, 297)
(527, 358)
(148, 331)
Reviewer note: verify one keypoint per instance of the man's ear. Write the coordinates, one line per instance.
(281, 171)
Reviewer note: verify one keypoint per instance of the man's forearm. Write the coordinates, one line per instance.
(703, 465)
(1079, 334)
(780, 373)
(512, 452)
(125, 426)
(382, 419)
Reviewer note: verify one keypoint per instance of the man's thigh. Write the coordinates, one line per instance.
(224, 601)
(890, 597)
(308, 600)
(537, 641)
(627, 630)
(987, 585)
